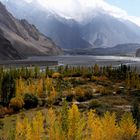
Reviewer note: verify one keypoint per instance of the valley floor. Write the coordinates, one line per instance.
(104, 89)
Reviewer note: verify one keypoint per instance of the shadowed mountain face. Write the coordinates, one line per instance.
(22, 38)
(7, 51)
(101, 30)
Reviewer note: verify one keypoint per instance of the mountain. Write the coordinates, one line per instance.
(93, 28)
(22, 39)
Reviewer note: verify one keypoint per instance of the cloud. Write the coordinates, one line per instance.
(133, 19)
(29, 1)
(82, 9)
(76, 9)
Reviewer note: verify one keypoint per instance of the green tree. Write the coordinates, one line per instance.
(136, 113)
(8, 88)
(96, 69)
(36, 72)
(64, 115)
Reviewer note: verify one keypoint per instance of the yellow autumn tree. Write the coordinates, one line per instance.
(51, 119)
(19, 130)
(127, 127)
(49, 85)
(109, 127)
(20, 87)
(23, 130)
(39, 86)
(76, 123)
(94, 127)
(31, 88)
(78, 126)
(53, 95)
(38, 126)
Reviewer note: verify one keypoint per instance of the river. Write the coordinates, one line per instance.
(89, 60)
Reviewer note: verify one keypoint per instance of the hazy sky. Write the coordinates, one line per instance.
(131, 6)
(125, 9)
(81, 9)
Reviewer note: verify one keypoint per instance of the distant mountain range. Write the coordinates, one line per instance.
(99, 30)
(19, 39)
(120, 50)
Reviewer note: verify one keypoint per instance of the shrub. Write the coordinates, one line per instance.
(105, 91)
(56, 75)
(99, 79)
(30, 100)
(88, 93)
(2, 111)
(94, 78)
(77, 81)
(16, 103)
(1, 124)
(69, 97)
(94, 104)
(87, 75)
(83, 94)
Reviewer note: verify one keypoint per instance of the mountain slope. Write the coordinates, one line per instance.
(24, 37)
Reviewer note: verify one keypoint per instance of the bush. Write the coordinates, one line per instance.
(105, 91)
(1, 124)
(99, 79)
(69, 98)
(56, 75)
(83, 94)
(77, 81)
(94, 104)
(3, 111)
(30, 100)
(16, 103)
(88, 93)
(87, 75)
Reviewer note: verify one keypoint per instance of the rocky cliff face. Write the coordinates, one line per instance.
(23, 38)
